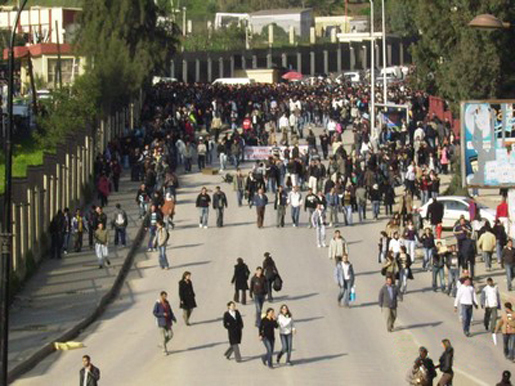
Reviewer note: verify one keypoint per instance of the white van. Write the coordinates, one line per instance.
(162, 79)
(234, 81)
(393, 73)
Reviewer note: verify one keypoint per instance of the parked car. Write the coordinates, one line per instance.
(455, 207)
(234, 81)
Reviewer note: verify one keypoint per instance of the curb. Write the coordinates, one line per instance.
(74, 331)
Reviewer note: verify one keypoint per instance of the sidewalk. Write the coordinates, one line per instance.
(64, 296)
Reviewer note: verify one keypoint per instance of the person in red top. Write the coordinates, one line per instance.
(247, 124)
(502, 213)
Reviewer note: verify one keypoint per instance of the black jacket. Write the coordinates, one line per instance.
(203, 201)
(240, 277)
(93, 376)
(186, 295)
(446, 361)
(435, 212)
(384, 297)
(219, 200)
(267, 328)
(258, 286)
(233, 326)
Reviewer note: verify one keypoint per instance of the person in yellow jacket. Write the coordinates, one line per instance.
(487, 243)
(507, 326)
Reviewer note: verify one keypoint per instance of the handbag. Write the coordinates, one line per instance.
(277, 283)
(352, 296)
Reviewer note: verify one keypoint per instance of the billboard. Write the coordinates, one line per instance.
(487, 140)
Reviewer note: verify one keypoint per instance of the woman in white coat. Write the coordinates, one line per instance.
(286, 331)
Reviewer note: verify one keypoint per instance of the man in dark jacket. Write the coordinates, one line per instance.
(240, 281)
(258, 291)
(89, 374)
(164, 315)
(202, 203)
(388, 296)
(508, 259)
(260, 201)
(233, 323)
(219, 203)
(435, 212)
(280, 203)
(467, 254)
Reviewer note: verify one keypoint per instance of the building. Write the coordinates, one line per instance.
(45, 59)
(223, 19)
(301, 19)
(325, 24)
(43, 24)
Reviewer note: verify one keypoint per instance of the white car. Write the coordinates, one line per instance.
(455, 207)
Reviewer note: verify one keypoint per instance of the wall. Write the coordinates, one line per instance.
(65, 179)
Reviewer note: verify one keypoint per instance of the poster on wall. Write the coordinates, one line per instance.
(488, 143)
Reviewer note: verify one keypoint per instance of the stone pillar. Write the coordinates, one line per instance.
(172, 68)
(299, 62)
(389, 55)
(269, 60)
(221, 67)
(312, 63)
(326, 61)
(197, 70)
(231, 65)
(254, 61)
(209, 69)
(185, 71)
(352, 54)
(339, 59)
(243, 62)
(401, 53)
(364, 61)
(284, 60)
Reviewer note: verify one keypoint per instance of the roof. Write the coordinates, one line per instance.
(285, 11)
(39, 50)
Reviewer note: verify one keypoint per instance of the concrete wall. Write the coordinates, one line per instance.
(326, 58)
(63, 180)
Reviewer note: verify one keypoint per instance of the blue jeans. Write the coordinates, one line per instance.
(362, 212)
(204, 215)
(269, 345)
(403, 280)
(272, 185)
(239, 196)
(466, 314)
(375, 209)
(66, 241)
(452, 281)
(119, 235)
(258, 302)
(498, 248)
(163, 261)
(295, 214)
(438, 273)
(344, 295)
(510, 349)
(428, 254)
(348, 214)
(424, 196)
(487, 257)
(287, 343)
(151, 236)
(509, 274)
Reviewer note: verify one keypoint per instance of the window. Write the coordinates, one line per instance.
(456, 205)
(69, 69)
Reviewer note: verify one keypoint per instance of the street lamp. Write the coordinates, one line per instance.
(6, 234)
(488, 22)
(372, 111)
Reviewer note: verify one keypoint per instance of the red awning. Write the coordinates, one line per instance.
(38, 50)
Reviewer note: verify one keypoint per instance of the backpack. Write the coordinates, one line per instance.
(277, 283)
(510, 324)
(120, 219)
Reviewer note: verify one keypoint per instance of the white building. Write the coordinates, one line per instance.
(301, 19)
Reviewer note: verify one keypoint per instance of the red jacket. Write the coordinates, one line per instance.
(502, 210)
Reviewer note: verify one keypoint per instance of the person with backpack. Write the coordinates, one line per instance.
(101, 240)
(344, 277)
(119, 224)
(240, 279)
(270, 272)
(507, 326)
(162, 237)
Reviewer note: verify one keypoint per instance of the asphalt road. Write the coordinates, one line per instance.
(333, 345)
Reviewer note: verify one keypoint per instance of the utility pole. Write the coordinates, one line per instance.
(183, 21)
(385, 86)
(372, 110)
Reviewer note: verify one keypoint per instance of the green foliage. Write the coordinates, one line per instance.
(230, 38)
(453, 60)
(124, 44)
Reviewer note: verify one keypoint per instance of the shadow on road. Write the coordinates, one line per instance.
(305, 320)
(187, 246)
(202, 347)
(191, 264)
(298, 297)
(304, 361)
(365, 305)
(420, 325)
(367, 273)
(207, 321)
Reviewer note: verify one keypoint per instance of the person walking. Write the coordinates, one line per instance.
(267, 336)
(239, 186)
(240, 280)
(67, 230)
(150, 224)
(507, 326)
(428, 245)
(435, 212)
(186, 297)
(505, 381)
(119, 223)
(508, 260)
(89, 375)
(487, 244)
(101, 241)
(337, 246)
(286, 331)
(78, 227)
(260, 202)
(405, 273)
(233, 323)
(162, 236)
(452, 262)
(344, 277)
(295, 202)
(445, 364)
(491, 302)
(466, 299)
(388, 298)
(219, 204)
(310, 204)
(270, 272)
(333, 204)
(258, 290)
(317, 221)
(202, 203)
(280, 203)
(165, 317)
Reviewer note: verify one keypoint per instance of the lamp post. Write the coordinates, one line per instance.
(385, 94)
(5, 263)
(488, 22)
(372, 73)
(183, 21)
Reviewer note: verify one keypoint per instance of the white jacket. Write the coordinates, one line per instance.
(285, 325)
